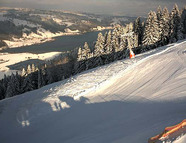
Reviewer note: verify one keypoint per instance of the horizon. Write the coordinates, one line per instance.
(111, 7)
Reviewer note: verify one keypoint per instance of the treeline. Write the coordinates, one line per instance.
(160, 28)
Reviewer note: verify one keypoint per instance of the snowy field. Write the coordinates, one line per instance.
(127, 101)
(7, 59)
(39, 37)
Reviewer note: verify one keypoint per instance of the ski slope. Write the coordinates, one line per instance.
(127, 101)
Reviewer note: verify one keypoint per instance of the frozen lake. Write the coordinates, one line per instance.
(60, 44)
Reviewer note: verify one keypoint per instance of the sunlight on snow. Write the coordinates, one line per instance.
(56, 104)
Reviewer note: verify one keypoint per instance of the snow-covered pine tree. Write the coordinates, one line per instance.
(23, 73)
(115, 41)
(99, 47)
(166, 27)
(105, 38)
(176, 27)
(29, 70)
(132, 40)
(160, 22)
(86, 53)
(78, 64)
(138, 30)
(108, 44)
(79, 57)
(159, 13)
(33, 68)
(123, 47)
(99, 50)
(151, 31)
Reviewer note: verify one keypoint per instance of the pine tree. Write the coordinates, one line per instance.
(39, 78)
(29, 70)
(138, 30)
(108, 48)
(99, 51)
(166, 26)
(176, 27)
(33, 68)
(50, 75)
(115, 40)
(123, 46)
(2, 96)
(43, 77)
(159, 13)
(183, 19)
(86, 53)
(151, 31)
(17, 83)
(105, 38)
(160, 22)
(23, 72)
(11, 89)
(27, 84)
(5, 81)
(99, 47)
(108, 44)
(79, 57)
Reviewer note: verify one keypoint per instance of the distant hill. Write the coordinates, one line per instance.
(14, 22)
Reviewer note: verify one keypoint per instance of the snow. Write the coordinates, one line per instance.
(2, 18)
(62, 22)
(67, 30)
(10, 59)
(58, 21)
(118, 20)
(40, 36)
(182, 139)
(19, 22)
(127, 101)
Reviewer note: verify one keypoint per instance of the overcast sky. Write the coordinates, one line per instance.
(110, 7)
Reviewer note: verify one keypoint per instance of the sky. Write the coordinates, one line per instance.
(109, 7)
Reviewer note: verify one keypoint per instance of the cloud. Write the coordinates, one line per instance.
(121, 7)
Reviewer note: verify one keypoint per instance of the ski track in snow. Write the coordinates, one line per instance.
(128, 101)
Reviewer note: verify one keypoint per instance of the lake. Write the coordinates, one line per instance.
(60, 44)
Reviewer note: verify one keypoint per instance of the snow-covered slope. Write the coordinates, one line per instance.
(126, 101)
